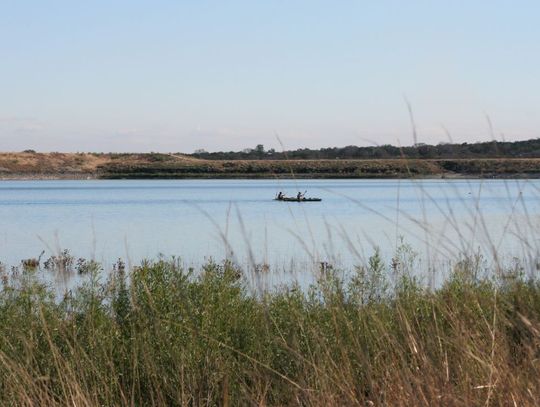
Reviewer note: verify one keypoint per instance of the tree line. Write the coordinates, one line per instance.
(490, 149)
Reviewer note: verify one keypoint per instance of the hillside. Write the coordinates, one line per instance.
(152, 165)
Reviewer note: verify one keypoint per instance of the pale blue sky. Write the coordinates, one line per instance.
(180, 75)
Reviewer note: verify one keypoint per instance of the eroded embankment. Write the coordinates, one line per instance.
(29, 165)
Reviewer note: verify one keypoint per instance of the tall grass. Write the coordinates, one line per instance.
(163, 335)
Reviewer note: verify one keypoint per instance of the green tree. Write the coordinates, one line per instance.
(259, 150)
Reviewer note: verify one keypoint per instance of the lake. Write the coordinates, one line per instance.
(192, 219)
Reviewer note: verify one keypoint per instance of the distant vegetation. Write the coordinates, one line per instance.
(389, 168)
(480, 160)
(163, 335)
(491, 149)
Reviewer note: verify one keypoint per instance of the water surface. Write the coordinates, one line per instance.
(192, 219)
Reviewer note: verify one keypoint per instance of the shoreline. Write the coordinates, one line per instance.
(80, 166)
(77, 177)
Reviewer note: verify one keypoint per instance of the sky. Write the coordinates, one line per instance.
(225, 75)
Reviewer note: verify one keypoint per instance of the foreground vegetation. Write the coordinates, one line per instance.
(163, 335)
(167, 166)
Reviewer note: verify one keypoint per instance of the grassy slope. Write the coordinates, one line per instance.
(71, 165)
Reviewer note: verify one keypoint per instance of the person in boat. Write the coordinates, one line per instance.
(280, 196)
(300, 196)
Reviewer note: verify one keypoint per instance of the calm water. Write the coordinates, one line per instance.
(191, 219)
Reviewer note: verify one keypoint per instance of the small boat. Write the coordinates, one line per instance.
(298, 200)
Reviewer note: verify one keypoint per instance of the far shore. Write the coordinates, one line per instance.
(81, 166)
(77, 177)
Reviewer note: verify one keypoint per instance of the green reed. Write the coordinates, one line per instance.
(160, 334)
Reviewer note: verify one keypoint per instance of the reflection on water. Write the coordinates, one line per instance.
(193, 218)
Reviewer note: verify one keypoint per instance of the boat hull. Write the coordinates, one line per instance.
(299, 200)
